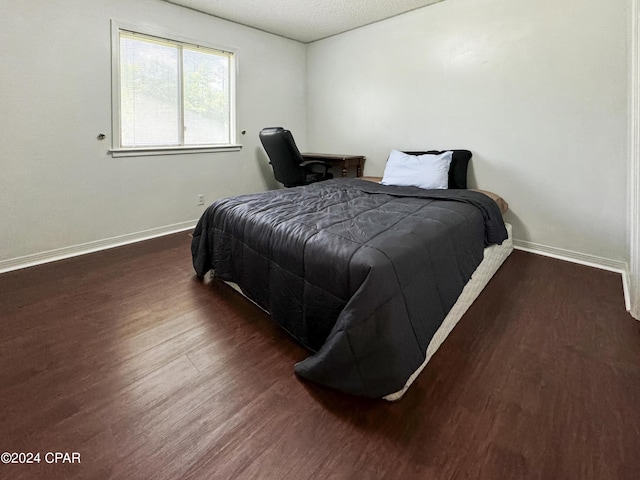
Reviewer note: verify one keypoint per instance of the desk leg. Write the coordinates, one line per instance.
(358, 171)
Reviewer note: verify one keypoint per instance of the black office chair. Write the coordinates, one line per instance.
(289, 168)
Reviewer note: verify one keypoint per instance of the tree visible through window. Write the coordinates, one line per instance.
(173, 94)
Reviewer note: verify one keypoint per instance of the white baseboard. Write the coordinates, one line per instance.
(98, 245)
(635, 308)
(90, 247)
(583, 259)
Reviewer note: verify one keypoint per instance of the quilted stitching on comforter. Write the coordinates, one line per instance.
(361, 274)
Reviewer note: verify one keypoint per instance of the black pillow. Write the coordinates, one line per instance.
(457, 169)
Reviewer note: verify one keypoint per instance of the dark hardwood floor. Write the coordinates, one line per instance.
(124, 357)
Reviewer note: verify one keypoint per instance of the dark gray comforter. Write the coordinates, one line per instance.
(361, 274)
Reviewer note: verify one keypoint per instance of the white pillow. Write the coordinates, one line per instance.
(425, 171)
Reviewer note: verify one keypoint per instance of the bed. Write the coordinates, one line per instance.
(370, 278)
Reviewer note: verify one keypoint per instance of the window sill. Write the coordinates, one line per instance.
(143, 152)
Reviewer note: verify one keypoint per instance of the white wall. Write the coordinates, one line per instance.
(58, 186)
(537, 89)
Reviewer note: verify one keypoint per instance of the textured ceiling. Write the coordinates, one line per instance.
(304, 20)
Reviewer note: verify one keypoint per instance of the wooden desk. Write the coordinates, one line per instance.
(350, 164)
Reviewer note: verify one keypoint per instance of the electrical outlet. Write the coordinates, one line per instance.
(200, 199)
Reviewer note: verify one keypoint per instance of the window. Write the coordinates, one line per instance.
(170, 96)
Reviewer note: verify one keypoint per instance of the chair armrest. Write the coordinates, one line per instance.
(309, 164)
(306, 163)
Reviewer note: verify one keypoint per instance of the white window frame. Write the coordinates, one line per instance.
(117, 150)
